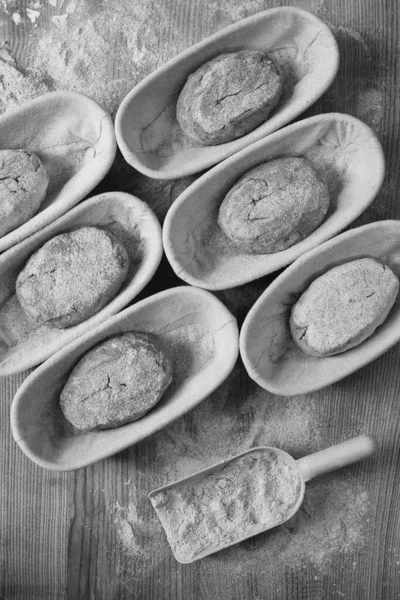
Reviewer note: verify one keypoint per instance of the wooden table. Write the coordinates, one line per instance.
(92, 534)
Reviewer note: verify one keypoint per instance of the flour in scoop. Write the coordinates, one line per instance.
(252, 493)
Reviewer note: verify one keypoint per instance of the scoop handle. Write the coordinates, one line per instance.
(338, 456)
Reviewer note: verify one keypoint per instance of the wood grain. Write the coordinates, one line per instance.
(68, 535)
(33, 526)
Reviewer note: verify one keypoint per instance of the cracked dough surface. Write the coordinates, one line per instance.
(23, 186)
(116, 382)
(71, 277)
(228, 97)
(343, 307)
(274, 206)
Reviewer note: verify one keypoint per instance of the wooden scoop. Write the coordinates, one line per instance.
(300, 471)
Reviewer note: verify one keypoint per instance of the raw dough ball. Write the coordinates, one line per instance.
(274, 206)
(228, 96)
(116, 382)
(23, 185)
(71, 277)
(343, 307)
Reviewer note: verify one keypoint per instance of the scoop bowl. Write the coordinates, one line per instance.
(308, 467)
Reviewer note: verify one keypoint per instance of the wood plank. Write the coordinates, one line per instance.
(33, 517)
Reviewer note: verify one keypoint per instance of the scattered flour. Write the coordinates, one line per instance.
(133, 532)
(78, 51)
(32, 15)
(371, 102)
(16, 87)
(355, 35)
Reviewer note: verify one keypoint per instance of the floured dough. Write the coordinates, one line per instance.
(274, 206)
(71, 277)
(23, 185)
(343, 307)
(116, 382)
(228, 96)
